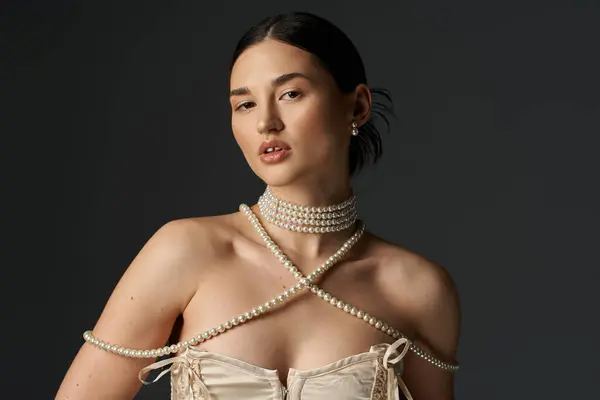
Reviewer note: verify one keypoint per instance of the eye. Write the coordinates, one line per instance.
(246, 105)
(292, 94)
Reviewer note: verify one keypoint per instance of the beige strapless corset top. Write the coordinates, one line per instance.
(201, 375)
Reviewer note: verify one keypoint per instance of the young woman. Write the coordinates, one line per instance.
(292, 297)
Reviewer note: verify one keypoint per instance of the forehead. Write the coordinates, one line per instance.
(270, 58)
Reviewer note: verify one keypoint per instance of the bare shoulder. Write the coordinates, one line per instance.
(402, 266)
(423, 292)
(207, 235)
(140, 312)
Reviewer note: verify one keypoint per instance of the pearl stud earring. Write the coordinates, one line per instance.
(354, 129)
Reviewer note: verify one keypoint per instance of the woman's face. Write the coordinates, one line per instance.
(288, 116)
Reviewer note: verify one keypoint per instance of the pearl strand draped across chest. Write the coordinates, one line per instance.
(198, 374)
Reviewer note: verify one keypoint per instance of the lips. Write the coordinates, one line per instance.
(274, 151)
(273, 145)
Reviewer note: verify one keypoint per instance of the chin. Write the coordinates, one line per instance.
(278, 178)
(278, 175)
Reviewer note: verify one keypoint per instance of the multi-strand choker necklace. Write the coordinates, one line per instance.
(295, 217)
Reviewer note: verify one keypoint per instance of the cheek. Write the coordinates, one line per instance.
(320, 124)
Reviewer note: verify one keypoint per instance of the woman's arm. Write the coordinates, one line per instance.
(427, 298)
(139, 314)
(437, 319)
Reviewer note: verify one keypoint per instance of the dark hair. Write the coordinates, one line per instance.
(339, 56)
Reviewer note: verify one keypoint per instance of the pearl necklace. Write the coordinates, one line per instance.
(307, 219)
(303, 282)
(278, 253)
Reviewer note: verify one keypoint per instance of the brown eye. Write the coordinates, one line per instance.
(245, 105)
(292, 94)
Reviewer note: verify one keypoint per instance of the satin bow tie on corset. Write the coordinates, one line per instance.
(385, 386)
(393, 376)
(191, 383)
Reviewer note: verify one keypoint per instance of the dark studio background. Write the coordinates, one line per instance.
(115, 120)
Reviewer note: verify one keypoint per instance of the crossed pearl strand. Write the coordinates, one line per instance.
(307, 282)
(303, 282)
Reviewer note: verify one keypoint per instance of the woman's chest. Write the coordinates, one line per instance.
(304, 331)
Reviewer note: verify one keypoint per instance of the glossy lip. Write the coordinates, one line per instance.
(275, 157)
(272, 143)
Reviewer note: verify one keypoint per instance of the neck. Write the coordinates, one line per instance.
(308, 246)
(324, 195)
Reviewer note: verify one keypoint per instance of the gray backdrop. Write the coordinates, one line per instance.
(115, 120)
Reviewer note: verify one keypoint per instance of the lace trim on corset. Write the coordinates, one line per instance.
(388, 371)
(181, 384)
(379, 391)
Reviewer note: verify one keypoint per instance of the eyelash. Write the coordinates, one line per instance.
(297, 92)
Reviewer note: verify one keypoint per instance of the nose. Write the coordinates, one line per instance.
(269, 122)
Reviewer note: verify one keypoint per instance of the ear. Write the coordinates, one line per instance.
(362, 104)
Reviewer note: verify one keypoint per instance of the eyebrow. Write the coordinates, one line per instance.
(280, 80)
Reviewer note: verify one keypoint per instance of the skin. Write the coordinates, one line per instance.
(221, 257)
